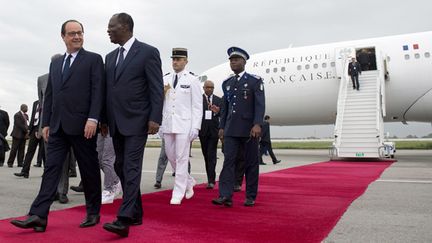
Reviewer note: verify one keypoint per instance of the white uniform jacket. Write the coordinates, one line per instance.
(182, 108)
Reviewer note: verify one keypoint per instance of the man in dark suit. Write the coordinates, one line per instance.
(354, 70)
(4, 126)
(240, 126)
(265, 143)
(19, 136)
(134, 102)
(208, 134)
(72, 108)
(34, 140)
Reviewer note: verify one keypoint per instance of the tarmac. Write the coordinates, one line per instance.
(395, 208)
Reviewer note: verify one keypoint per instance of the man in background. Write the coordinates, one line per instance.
(208, 134)
(4, 126)
(19, 135)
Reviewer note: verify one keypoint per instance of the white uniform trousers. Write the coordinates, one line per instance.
(177, 147)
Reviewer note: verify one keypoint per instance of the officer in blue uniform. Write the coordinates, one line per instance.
(240, 126)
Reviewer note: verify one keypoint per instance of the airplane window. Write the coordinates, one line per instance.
(417, 56)
(283, 69)
(427, 54)
(332, 64)
(324, 65)
(274, 70)
(407, 57)
(315, 66)
(268, 70)
(307, 66)
(298, 67)
(203, 78)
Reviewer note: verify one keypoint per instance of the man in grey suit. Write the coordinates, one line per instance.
(63, 186)
(134, 100)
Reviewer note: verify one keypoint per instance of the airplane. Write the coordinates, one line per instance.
(310, 85)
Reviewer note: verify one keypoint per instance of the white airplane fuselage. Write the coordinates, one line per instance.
(302, 84)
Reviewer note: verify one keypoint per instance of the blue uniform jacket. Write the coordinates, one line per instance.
(243, 105)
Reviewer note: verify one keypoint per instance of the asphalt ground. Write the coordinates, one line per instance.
(395, 208)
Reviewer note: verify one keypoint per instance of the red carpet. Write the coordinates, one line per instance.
(300, 204)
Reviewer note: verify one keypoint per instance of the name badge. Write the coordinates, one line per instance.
(184, 86)
(208, 115)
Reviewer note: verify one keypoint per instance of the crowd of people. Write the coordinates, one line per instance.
(98, 113)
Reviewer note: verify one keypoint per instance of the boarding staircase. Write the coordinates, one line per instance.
(359, 122)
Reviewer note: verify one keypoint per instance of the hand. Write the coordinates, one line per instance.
(37, 135)
(153, 127)
(193, 134)
(45, 133)
(215, 109)
(104, 130)
(256, 131)
(90, 129)
(221, 133)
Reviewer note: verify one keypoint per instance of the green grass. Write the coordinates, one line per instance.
(315, 144)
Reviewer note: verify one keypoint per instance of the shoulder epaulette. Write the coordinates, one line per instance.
(256, 76)
(166, 74)
(230, 76)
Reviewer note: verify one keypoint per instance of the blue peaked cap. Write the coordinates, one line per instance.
(236, 51)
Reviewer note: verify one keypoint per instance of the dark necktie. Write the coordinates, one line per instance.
(175, 81)
(208, 102)
(66, 67)
(237, 77)
(121, 57)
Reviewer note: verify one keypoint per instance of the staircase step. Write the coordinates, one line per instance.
(356, 141)
(358, 122)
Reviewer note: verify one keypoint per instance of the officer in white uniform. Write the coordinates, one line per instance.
(182, 113)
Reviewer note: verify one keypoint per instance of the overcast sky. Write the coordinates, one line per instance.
(30, 34)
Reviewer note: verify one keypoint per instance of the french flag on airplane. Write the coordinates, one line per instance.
(414, 47)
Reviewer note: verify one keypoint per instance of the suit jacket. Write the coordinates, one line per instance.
(20, 127)
(42, 83)
(243, 105)
(135, 92)
(182, 109)
(210, 128)
(35, 110)
(265, 132)
(4, 123)
(354, 69)
(71, 102)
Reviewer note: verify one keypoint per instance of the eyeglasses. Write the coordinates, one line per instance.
(72, 34)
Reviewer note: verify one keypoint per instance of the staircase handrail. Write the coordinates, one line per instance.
(341, 99)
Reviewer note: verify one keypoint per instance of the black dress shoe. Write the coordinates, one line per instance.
(20, 165)
(10, 166)
(276, 162)
(90, 220)
(117, 227)
(136, 221)
(226, 201)
(262, 163)
(63, 199)
(210, 186)
(21, 174)
(237, 188)
(157, 185)
(72, 174)
(37, 165)
(77, 188)
(37, 223)
(249, 202)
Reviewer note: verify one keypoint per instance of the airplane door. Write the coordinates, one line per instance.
(342, 57)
